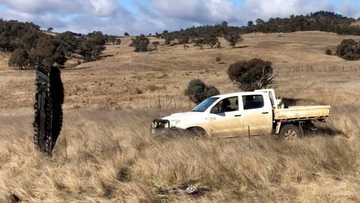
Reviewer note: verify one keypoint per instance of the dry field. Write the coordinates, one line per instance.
(106, 154)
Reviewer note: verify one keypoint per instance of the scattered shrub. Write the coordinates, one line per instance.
(46, 52)
(212, 41)
(322, 21)
(349, 49)
(328, 52)
(168, 39)
(252, 74)
(14, 35)
(33, 47)
(111, 39)
(141, 43)
(184, 39)
(19, 58)
(91, 49)
(233, 38)
(69, 43)
(198, 91)
(156, 44)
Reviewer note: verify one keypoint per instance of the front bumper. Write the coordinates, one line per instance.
(163, 127)
(159, 126)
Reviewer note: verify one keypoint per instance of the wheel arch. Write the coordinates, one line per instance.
(200, 128)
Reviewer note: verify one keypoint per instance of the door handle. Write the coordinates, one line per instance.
(239, 115)
(265, 112)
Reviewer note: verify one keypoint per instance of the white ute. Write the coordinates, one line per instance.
(244, 113)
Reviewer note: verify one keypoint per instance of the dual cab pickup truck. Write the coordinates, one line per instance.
(244, 113)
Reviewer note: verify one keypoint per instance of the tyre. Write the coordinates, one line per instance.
(290, 132)
(197, 132)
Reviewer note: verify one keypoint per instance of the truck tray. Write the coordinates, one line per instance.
(302, 113)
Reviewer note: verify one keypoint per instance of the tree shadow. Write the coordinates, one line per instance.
(241, 47)
(325, 131)
(106, 56)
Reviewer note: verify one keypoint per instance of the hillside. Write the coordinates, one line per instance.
(106, 154)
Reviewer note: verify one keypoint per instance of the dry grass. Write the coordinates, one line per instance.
(106, 154)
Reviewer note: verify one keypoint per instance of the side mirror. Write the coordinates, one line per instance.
(215, 110)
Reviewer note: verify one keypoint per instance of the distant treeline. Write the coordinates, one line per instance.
(30, 46)
(318, 21)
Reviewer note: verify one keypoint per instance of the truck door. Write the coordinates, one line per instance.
(257, 114)
(225, 117)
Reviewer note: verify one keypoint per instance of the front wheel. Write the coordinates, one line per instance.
(290, 132)
(196, 131)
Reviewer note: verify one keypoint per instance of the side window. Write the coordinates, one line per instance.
(226, 105)
(253, 102)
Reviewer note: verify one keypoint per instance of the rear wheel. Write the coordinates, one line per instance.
(290, 132)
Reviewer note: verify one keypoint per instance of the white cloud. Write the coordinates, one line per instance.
(157, 15)
(196, 11)
(104, 7)
(39, 6)
(283, 8)
(77, 15)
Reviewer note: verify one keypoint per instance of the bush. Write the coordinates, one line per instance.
(252, 74)
(14, 35)
(90, 49)
(197, 91)
(212, 41)
(155, 44)
(69, 43)
(328, 52)
(35, 47)
(46, 52)
(19, 58)
(349, 49)
(168, 39)
(184, 39)
(141, 43)
(233, 38)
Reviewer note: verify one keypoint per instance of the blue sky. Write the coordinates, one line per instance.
(144, 16)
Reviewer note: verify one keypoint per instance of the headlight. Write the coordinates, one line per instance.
(158, 123)
(155, 124)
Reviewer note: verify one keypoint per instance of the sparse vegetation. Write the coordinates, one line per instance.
(92, 46)
(218, 59)
(322, 21)
(19, 59)
(33, 46)
(252, 74)
(140, 43)
(46, 52)
(328, 52)
(233, 38)
(349, 49)
(197, 91)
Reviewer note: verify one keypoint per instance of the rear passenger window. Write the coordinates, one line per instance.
(253, 102)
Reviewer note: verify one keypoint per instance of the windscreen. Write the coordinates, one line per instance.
(205, 104)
